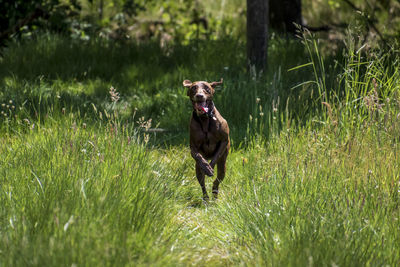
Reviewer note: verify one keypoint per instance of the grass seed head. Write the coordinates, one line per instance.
(114, 94)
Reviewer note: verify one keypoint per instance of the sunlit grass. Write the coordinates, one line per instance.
(312, 178)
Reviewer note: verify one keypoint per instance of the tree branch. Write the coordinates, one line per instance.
(369, 21)
(38, 12)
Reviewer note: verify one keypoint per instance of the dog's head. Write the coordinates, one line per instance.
(201, 93)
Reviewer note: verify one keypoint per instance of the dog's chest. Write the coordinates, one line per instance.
(209, 147)
(208, 138)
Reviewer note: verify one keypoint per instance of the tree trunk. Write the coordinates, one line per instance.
(283, 14)
(257, 34)
(101, 7)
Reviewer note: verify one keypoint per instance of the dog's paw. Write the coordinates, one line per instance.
(215, 195)
(207, 169)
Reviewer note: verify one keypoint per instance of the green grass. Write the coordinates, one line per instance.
(308, 183)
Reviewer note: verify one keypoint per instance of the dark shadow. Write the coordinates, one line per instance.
(149, 79)
(200, 203)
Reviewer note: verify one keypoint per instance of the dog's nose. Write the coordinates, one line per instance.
(200, 97)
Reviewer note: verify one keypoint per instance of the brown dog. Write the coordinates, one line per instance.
(209, 134)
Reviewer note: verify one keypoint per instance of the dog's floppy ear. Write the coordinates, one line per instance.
(215, 84)
(187, 83)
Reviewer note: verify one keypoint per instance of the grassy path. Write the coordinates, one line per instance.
(202, 237)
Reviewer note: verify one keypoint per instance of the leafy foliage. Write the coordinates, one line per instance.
(25, 16)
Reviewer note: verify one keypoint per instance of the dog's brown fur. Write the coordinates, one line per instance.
(209, 134)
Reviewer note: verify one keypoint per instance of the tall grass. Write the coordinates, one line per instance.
(308, 199)
(312, 178)
(73, 193)
(326, 193)
(73, 75)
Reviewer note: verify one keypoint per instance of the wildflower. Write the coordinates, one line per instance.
(10, 102)
(114, 94)
(144, 124)
(258, 100)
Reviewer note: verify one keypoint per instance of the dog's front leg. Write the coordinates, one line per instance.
(201, 161)
(200, 177)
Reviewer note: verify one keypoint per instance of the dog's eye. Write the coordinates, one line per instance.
(208, 90)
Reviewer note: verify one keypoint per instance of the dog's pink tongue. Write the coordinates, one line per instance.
(202, 106)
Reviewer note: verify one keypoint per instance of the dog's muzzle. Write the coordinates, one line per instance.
(201, 108)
